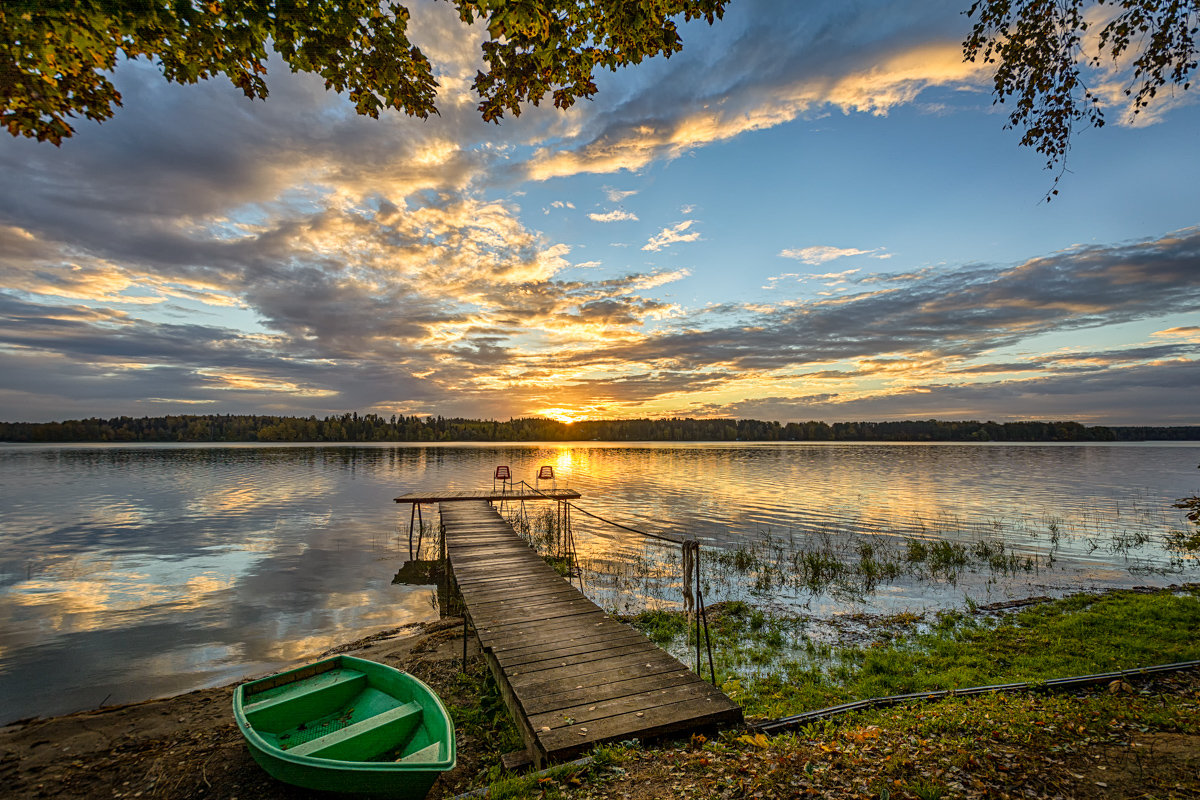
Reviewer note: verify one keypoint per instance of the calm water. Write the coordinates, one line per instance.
(133, 572)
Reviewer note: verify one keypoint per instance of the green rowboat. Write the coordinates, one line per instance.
(346, 724)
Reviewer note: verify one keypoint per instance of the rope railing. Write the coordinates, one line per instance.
(690, 549)
(661, 537)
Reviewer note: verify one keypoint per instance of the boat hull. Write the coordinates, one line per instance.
(346, 724)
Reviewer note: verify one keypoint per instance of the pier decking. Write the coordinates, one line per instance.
(495, 495)
(571, 675)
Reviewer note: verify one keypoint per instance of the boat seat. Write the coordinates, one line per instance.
(294, 703)
(364, 739)
(425, 755)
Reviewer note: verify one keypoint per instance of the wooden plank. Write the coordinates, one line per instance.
(487, 551)
(475, 551)
(576, 636)
(556, 629)
(683, 716)
(590, 674)
(475, 536)
(609, 691)
(498, 564)
(514, 589)
(492, 604)
(496, 623)
(490, 559)
(484, 525)
(592, 685)
(557, 635)
(553, 663)
(599, 709)
(514, 658)
(488, 600)
(498, 568)
(538, 594)
(505, 611)
(515, 592)
(528, 575)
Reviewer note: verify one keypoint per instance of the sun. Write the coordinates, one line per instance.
(563, 415)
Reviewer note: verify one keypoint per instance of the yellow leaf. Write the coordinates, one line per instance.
(757, 740)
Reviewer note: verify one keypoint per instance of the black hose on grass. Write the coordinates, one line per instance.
(1057, 685)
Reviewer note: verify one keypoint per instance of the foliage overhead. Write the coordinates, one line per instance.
(56, 55)
(1039, 46)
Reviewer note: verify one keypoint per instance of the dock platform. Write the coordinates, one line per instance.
(571, 675)
(492, 496)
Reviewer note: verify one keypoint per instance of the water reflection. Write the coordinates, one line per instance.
(127, 572)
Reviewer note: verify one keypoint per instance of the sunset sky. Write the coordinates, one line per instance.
(816, 215)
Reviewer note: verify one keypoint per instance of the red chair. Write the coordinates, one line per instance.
(545, 473)
(504, 475)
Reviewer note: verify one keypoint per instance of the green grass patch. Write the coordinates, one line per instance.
(1134, 740)
(485, 717)
(661, 627)
(773, 669)
(557, 782)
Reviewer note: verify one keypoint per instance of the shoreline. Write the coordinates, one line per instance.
(187, 745)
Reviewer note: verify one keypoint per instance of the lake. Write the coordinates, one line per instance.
(129, 572)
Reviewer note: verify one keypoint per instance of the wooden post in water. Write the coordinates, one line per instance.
(411, 516)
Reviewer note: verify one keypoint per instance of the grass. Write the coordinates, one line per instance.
(1132, 742)
(556, 782)
(770, 666)
(1129, 740)
(483, 716)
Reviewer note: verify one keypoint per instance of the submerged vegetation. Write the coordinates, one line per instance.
(854, 565)
(836, 564)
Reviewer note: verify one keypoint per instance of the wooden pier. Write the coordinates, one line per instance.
(571, 675)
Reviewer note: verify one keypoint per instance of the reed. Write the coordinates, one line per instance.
(854, 561)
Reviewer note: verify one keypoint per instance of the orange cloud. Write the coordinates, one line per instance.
(895, 80)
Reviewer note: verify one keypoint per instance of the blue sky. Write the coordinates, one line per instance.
(814, 216)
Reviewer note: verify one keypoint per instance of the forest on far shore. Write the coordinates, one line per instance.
(351, 427)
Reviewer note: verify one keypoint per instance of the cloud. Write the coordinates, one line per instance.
(945, 319)
(669, 236)
(812, 72)
(1190, 333)
(1132, 395)
(513, 335)
(617, 215)
(617, 195)
(819, 254)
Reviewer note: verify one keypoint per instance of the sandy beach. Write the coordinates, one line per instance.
(187, 746)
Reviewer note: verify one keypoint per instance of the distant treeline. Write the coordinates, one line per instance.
(399, 428)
